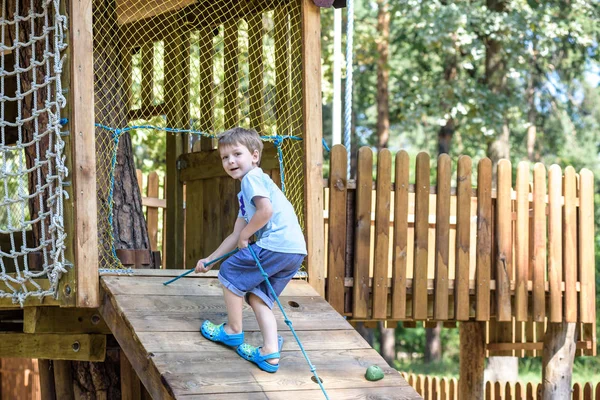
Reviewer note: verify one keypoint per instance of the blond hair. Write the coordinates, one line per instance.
(246, 137)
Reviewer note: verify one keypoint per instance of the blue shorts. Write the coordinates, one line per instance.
(240, 274)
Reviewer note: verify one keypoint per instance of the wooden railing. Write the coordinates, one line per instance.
(438, 388)
(415, 252)
(155, 206)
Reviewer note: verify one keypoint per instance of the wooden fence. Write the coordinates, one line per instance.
(438, 388)
(155, 204)
(522, 252)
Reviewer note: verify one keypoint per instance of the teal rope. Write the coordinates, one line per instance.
(206, 265)
(288, 322)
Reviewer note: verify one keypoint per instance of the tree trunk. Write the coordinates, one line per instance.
(495, 77)
(433, 344)
(383, 74)
(111, 98)
(557, 360)
(388, 343)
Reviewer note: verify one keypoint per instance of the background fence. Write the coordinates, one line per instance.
(439, 388)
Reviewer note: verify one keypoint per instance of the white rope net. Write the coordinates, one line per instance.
(32, 161)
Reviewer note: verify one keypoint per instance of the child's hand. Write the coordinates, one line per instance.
(243, 240)
(200, 266)
(242, 243)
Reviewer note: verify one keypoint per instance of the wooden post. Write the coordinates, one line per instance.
(312, 135)
(131, 387)
(557, 360)
(63, 380)
(83, 151)
(472, 360)
(46, 370)
(174, 71)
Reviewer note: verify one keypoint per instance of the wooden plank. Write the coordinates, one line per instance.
(382, 235)
(78, 347)
(281, 34)
(463, 238)
(587, 260)
(131, 386)
(442, 238)
(63, 320)
(421, 241)
(175, 97)
(231, 74)
(504, 240)
(63, 379)
(148, 285)
(392, 392)
(152, 213)
(400, 249)
(312, 135)
(570, 245)
(336, 260)
(364, 179)
(134, 10)
(171, 342)
(255, 78)
(130, 345)
(230, 374)
(555, 268)
(185, 313)
(522, 241)
(83, 153)
(539, 255)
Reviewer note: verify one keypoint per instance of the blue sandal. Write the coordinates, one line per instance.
(252, 354)
(216, 333)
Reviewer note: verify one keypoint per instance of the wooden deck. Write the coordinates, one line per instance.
(157, 328)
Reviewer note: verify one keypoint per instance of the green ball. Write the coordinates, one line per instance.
(374, 373)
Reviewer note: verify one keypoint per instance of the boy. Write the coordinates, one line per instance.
(280, 247)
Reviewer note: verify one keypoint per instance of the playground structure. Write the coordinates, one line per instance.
(210, 66)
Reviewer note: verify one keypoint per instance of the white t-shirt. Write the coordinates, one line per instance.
(282, 233)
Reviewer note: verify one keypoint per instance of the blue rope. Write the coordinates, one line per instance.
(288, 322)
(206, 265)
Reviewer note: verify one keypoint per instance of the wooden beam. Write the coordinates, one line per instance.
(63, 320)
(175, 52)
(78, 347)
(312, 135)
(135, 10)
(7, 302)
(207, 164)
(472, 360)
(131, 386)
(63, 380)
(47, 388)
(204, 14)
(134, 350)
(83, 151)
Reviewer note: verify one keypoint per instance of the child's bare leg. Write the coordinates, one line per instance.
(268, 326)
(234, 304)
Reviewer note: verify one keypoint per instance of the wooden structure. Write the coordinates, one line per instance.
(441, 253)
(472, 263)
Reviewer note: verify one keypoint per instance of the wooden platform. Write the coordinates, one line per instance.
(157, 328)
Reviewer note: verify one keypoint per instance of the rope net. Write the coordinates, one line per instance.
(32, 162)
(202, 66)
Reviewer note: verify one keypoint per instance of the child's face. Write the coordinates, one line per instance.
(238, 160)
